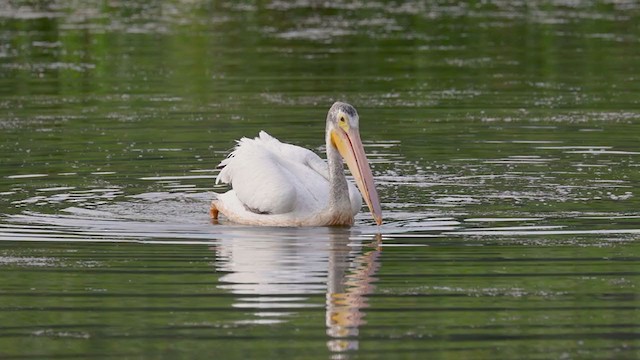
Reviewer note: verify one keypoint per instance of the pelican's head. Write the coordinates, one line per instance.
(343, 132)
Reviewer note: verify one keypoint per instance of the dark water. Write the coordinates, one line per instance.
(503, 137)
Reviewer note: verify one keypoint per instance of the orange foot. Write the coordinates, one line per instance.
(214, 212)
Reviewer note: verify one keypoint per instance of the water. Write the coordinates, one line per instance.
(502, 135)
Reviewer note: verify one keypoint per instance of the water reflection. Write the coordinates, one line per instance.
(274, 276)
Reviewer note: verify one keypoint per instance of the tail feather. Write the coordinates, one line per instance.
(224, 176)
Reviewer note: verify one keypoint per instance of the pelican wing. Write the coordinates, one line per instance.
(270, 177)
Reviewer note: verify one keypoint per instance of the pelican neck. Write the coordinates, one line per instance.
(338, 188)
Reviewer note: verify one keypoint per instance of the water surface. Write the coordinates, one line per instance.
(503, 138)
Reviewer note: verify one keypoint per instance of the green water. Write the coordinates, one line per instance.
(503, 137)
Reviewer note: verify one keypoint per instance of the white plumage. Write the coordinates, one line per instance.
(269, 177)
(279, 184)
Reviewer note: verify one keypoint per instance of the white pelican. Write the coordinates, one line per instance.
(277, 184)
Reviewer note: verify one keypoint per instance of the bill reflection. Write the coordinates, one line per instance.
(350, 280)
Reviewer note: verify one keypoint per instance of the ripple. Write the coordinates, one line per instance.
(515, 219)
(543, 231)
(603, 152)
(170, 218)
(58, 188)
(27, 261)
(26, 176)
(182, 177)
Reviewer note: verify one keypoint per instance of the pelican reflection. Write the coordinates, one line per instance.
(275, 274)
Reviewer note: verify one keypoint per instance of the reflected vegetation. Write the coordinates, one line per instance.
(503, 136)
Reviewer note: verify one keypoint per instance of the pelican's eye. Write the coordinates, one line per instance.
(343, 122)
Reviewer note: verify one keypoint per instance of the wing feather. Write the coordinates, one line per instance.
(271, 177)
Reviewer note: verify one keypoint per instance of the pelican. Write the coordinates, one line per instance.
(278, 184)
